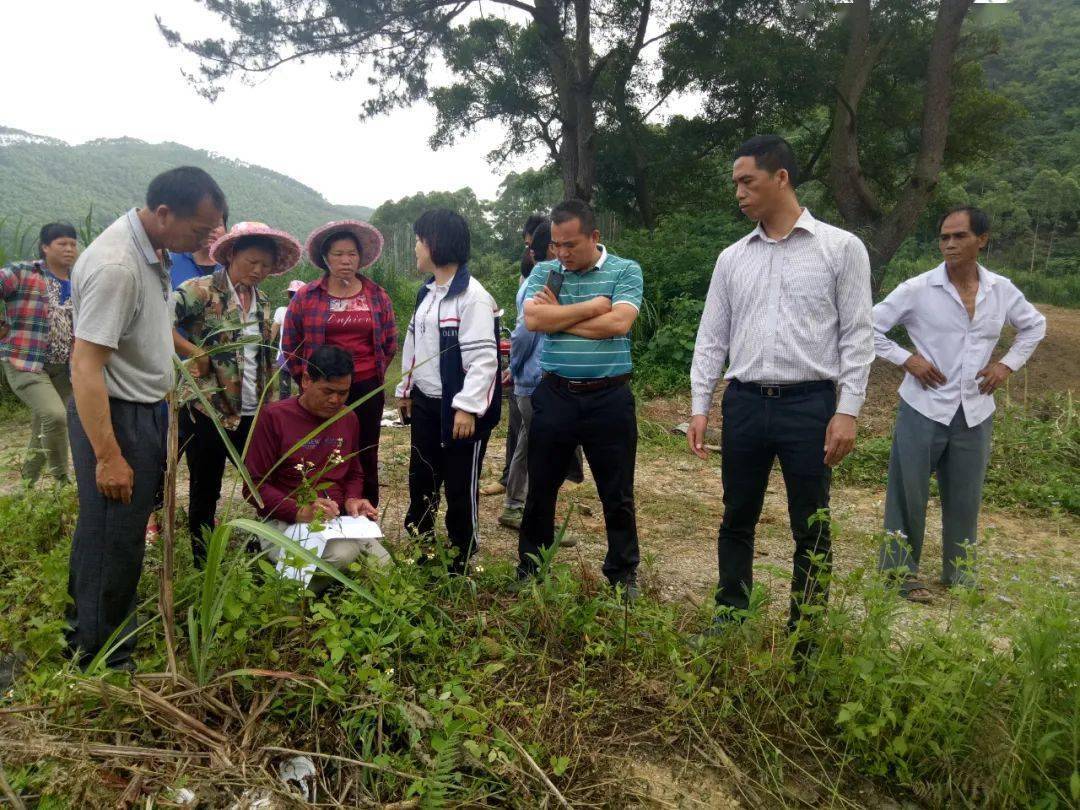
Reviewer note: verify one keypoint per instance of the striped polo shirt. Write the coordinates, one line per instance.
(581, 358)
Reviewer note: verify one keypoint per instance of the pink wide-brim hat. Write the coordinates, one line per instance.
(371, 241)
(288, 248)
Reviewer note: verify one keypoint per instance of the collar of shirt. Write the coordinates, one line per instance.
(157, 260)
(597, 266)
(805, 222)
(439, 288)
(939, 277)
(236, 296)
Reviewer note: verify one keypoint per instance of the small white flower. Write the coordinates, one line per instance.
(390, 672)
(299, 468)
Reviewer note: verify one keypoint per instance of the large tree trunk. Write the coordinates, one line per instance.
(856, 201)
(884, 231)
(585, 178)
(570, 71)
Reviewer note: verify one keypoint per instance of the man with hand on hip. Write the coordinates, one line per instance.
(954, 315)
(788, 312)
(586, 302)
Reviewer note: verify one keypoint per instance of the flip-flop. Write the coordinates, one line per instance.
(910, 591)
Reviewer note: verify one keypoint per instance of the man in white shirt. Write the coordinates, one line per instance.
(788, 312)
(953, 315)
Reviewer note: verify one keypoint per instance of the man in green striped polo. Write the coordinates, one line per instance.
(584, 397)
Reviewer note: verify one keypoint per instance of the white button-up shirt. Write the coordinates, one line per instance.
(788, 310)
(937, 322)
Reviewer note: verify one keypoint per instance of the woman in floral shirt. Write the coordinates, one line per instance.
(228, 321)
(35, 345)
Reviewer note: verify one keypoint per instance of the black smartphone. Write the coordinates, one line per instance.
(554, 283)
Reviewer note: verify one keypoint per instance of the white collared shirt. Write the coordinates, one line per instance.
(788, 310)
(937, 322)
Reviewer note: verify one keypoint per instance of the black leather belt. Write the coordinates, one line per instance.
(585, 386)
(777, 390)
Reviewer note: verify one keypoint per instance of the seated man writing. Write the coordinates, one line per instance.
(290, 490)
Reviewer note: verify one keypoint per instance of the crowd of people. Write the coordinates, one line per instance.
(91, 342)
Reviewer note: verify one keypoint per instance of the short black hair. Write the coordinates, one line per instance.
(329, 362)
(531, 223)
(574, 209)
(979, 219)
(53, 231)
(527, 263)
(541, 240)
(771, 153)
(446, 234)
(182, 189)
(254, 240)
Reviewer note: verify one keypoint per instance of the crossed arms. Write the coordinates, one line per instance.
(595, 319)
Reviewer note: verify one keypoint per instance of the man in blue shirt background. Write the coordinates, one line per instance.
(185, 266)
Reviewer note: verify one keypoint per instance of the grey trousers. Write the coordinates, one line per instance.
(107, 548)
(517, 479)
(513, 434)
(958, 454)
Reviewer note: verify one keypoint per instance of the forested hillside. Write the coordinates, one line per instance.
(43, 179)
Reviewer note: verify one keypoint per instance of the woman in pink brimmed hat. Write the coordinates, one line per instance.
(347, 309)
(225, 332)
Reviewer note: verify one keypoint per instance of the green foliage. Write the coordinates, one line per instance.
(441, 683)
(676, 261)
(395, 218)
(677, 257)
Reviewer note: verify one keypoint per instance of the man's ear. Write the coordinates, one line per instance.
(984, 240)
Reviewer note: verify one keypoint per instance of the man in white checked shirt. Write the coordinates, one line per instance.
(788, 313)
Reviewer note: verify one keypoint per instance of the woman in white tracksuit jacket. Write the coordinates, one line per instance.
(448, 387)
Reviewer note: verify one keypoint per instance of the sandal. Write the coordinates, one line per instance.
(914, 591)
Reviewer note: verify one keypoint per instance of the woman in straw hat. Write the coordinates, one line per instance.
(228, 323)
(347, 309)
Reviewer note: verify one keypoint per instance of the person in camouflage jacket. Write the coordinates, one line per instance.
(208, 310)
(227, 321)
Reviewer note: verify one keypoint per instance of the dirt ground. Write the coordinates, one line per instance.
(679, 498)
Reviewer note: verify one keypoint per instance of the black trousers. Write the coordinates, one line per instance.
(205, 452)
(756, 430)
(454, 467)
(604, 424)
(513, 428)
(370, 415)
(109, 541)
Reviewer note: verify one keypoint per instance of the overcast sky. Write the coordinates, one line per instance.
(84, 69)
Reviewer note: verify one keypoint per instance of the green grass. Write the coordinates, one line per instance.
(455, 692)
